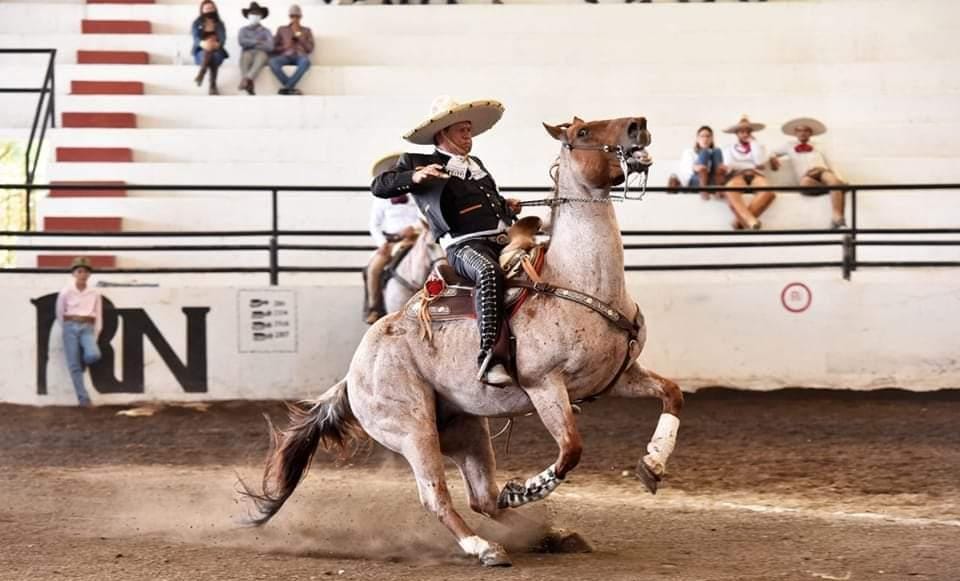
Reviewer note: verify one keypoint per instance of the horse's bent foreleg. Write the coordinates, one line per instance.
(424, 455)
(639, 382)
(553, 407)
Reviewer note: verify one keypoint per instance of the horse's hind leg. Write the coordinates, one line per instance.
(553, 406)
(422, 451)
(639, 382)
(466, 441)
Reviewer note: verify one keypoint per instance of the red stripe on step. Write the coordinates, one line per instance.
(106, 88)
(112, 57)
(101, 120)
(82, 224)
(64, 261)
(92, 193)
(93, 154)
(115, 26)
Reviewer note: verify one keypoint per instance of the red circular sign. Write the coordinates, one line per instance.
(796, 297)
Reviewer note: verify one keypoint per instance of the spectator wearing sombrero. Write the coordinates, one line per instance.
(810, 164)
(393, 221)
(256, 41)
(80, 313)
(745, 160)
(464, 210)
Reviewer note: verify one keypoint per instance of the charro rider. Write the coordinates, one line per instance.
(394, 223)
(466, 213)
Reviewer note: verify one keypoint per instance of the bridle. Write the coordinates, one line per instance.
(628, 165)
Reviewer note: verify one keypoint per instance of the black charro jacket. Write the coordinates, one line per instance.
(433, 197)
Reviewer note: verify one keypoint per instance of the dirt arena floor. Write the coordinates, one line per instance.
(790, 485)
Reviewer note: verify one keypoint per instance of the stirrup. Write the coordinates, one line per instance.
(484, 365)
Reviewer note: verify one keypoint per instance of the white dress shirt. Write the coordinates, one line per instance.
(739, 160)
(803, 161)
(387, 216)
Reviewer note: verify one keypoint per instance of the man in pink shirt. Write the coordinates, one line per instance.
(80, 312)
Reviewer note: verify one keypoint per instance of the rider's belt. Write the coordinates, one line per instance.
(502, 239)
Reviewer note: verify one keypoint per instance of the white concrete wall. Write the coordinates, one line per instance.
(882, 329)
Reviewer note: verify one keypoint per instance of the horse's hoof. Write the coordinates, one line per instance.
(495, 556)
(649, 478)
(561, 541)
(512, 494)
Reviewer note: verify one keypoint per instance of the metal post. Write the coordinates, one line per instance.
(27, 226)
(274, 251)
(848, 258)
(853, 229)
(53, 89)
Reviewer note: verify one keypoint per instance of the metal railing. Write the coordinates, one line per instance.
(44, 115)
(848, 240)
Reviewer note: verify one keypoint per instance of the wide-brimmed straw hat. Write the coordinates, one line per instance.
(263, 11)
(81, 262)
(445, 112)
(744, 123)
(384, 163)
(815, 126)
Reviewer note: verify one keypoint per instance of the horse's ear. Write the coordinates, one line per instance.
(578, 120)
(556, 131)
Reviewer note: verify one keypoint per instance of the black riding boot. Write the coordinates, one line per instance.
(213, 80)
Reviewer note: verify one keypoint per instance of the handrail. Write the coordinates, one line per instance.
(848, 239)
(42, 116)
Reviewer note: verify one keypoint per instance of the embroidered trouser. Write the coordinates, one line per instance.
(478, 260)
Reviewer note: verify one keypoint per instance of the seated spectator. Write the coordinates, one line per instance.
(257, 44)
(294, 43)
(701, 165)
(745, 161)
(209, 36)
(393, 222)
(810, 165)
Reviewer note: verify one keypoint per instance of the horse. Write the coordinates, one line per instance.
(421, 399)
(408, 276)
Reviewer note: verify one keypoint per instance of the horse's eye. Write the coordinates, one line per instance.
(583, 132)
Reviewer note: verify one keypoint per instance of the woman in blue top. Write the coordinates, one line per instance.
(209, 36)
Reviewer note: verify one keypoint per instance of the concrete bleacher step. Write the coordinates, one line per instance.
(100, 120)
(87, 193)
(63, 261)
(82, 224)
(106, 87)
(88, 26)
(112, 57)
(94, 154)
(120, 1)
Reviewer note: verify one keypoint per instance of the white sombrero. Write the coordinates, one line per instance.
(384, 163)
(744, 123)
(815, 126)
(444, 112)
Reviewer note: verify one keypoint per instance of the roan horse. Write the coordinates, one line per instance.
(422, 399)
(410, 273)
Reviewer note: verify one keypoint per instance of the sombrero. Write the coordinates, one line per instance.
(791, 126)
(384, 163)
(263, 11)
(81, 262)
(744, 123)
(444, 112)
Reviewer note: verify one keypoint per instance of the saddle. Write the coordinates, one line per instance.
(446, 296)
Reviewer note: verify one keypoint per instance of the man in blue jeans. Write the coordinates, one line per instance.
(80, 312)
(294, 43)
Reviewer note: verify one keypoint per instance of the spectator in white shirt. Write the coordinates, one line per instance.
(810, 164)
(80, 313)
(745, 160)
(394, 223)
(701, 165)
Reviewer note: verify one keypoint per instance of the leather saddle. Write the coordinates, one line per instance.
(447, 296)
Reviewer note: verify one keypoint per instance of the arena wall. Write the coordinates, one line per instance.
(749, 331)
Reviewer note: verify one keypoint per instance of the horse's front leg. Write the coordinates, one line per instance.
(553, 406)
(639, 382)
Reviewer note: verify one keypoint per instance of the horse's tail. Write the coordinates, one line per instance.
(328, 422)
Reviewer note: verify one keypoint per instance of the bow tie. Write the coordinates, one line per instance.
(803, 148)
(464, 167)
(399, 199)
(744, 147)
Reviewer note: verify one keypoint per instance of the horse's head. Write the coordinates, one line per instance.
(600, 150)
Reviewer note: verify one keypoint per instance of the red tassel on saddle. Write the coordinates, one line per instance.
(434, 286)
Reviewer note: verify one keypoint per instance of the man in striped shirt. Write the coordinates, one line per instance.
(80, 313)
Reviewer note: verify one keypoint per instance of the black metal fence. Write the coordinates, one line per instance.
(270, 239)
(44, 115)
